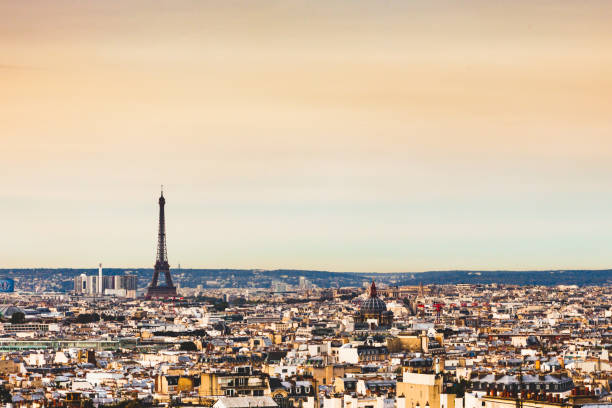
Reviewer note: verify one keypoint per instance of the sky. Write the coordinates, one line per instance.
(342, 135)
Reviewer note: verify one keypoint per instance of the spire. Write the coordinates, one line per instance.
(373, 289)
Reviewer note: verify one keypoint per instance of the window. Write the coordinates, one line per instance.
(229, 393)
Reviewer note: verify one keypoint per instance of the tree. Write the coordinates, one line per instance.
(17, 318)
(348, 296)
(128, 404)
(221, 306)
(458, 388)
(88, 318)
(5, 395)
(239, 301)
(188, 346)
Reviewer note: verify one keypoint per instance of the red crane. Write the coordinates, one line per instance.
(438, 307)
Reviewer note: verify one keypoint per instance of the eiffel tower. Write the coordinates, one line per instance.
(161, 264)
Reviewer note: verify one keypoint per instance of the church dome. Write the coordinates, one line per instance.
(373, 304)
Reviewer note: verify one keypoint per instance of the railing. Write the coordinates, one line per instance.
(10, 345)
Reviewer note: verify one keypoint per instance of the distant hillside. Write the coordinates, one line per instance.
(49, 279)
(547, 278)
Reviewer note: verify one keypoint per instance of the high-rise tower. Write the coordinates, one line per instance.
(100, 286)
(161, 264)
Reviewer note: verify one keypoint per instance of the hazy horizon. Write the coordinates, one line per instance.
(339, 135)
(175, 268)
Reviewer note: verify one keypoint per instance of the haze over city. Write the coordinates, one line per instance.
(338, 135)
(305, 204)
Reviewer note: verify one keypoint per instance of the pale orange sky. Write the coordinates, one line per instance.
(341, 135)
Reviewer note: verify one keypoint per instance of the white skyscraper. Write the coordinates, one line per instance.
(100, 280)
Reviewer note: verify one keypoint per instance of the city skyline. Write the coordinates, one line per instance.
(393, 204)
(340, 136)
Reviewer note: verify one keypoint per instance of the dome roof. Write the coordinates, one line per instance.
(373, 305)
(9, 310)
